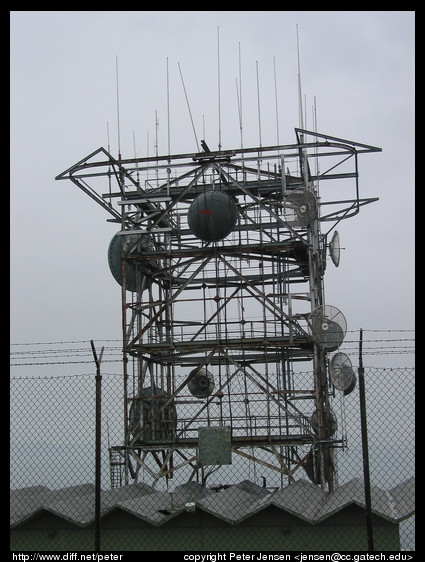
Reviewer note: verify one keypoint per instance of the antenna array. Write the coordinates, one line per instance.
(221, 261)
(220, 257)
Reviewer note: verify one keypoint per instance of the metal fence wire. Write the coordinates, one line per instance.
(241, 505)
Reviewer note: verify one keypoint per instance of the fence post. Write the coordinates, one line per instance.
(97, 478)
(366, 473)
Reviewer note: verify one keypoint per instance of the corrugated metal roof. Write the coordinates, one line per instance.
(302, 499)
(232, 504)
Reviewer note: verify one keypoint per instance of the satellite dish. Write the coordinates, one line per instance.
(212, 216)
(335, 249)
(299, 207)
(342, 374)
(201, 384)
(114, 260)
(330, 423)
(327, 326)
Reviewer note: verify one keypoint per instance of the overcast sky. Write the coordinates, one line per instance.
(358, 65)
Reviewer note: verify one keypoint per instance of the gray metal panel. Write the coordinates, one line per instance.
(215, 445)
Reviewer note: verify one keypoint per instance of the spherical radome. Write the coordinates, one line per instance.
(212, 216)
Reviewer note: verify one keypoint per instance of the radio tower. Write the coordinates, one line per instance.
(226, 335)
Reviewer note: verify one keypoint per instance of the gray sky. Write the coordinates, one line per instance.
(358, 65)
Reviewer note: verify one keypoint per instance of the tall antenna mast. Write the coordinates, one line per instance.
(188, 107)
(156, 132)
(168, 110)
(118, 108)
(135, 156)
(275, 97)
(218, 79)
(258, 104)
(300, 99)
(156, 139)
(239, 94)
(303, 164)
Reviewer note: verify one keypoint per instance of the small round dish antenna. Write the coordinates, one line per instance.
(327, 327)
(335, 249)
(299, 207)
(330, 423)
(342, 373)
(201, 384)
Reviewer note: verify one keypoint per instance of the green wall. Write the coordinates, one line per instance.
(272, 529)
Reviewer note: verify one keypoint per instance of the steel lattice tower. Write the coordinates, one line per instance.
(221, 257)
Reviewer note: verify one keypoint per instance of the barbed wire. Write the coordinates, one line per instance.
(28, 357)
(43, 377)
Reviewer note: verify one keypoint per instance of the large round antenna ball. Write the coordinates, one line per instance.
(212, 216)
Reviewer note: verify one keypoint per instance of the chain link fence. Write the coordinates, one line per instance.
(241, 506)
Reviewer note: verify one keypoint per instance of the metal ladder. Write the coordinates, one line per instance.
(116, 472)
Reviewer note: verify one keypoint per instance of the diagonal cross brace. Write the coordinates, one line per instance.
(289, 322)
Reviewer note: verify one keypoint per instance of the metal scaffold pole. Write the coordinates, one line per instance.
(98, 424)
(366, 473)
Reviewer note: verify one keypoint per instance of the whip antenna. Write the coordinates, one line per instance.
(118, 108)
(188, 107)
(218, 79)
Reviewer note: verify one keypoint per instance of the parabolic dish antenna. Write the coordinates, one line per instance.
(335, 249)
(299, 207)
(327, 327)
(201, 384)
(114, 260)
(312, 465)
(342, 373)
(330, 423)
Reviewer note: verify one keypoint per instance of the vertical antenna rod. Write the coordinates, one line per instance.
(258, 104)
(300, 98)
(218, 83)
(275, 97)
(156, 140)
(188, 107)
(168, 110)
(239, 95)
(303, 156)
(156, 132)
(135, 156)
(118, 108)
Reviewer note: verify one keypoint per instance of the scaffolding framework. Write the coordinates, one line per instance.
(233, 314)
